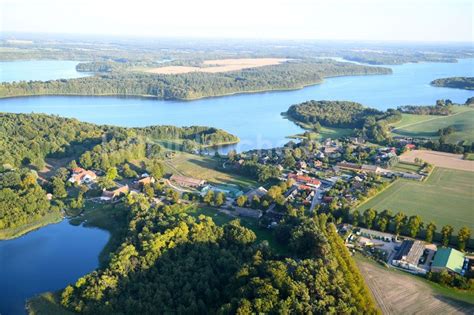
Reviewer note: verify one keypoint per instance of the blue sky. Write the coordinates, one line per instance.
(411, 20)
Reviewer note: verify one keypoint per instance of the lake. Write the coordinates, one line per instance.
(41, 70)
(255, 118)
(47, 259)
(56, 255)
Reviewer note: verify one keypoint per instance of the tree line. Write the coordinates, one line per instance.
(288, 75)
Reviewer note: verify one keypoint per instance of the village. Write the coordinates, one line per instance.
(332, 178)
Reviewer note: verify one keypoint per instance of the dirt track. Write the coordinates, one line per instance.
(398, 293)
(441, 159)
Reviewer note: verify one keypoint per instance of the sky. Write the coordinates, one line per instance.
(391, 20)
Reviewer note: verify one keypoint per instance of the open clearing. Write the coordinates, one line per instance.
(446, 197)
(204, 167)
(440, 159)
(400, 293)
(427, 126)
(219, 65)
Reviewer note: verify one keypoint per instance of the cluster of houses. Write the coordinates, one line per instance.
(82, 176)
(412, 255)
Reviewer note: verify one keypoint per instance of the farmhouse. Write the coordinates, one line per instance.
(148, 180)
(187, 181)
(82, 176)
(448, 259)
(112, 194)
(408, 255)
(305, 180)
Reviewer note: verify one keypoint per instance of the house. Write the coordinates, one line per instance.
(372, 234)
(408, 255)
(301, 165)
(259, 192)
(448, 259)
(187, 181)
(410, 146)
(371, 169)
(148, 180)
(113, 194)
(81, 176)
(305, 180)
(318, 163)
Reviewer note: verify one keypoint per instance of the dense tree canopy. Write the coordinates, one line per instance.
(466, 83)
(171, 262)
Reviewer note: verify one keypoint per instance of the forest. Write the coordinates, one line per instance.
(171, 262)
(290, 75)
(26, 139)
(23, 200)
(367, 122)
(465, 83)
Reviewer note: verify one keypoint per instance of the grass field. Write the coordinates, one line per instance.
(427, 126)
(397, 292)
(405, 167)
(205, 167)
(446, 197)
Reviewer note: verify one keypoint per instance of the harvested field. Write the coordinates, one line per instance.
(400, 293)
(219, 65)
(440, 159)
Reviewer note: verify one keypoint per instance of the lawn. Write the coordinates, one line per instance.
(205, 167)
(405, 167)
(446, 197)
(427, 126)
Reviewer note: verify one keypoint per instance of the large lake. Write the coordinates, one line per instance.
(47, 259)
(56, 255)
(256, 118)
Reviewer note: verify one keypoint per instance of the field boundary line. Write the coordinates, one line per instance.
(436, 118)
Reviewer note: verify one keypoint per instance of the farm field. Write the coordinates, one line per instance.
(401, 293)
(427, 126)
(206, 168)
(440, 159)
(446, 197)
(220, 65)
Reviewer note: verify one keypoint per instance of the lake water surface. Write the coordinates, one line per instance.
(256, 118)
(47, 259)
(56, 255)
(42, 70)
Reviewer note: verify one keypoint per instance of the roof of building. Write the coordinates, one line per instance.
(410, 251)
(448, 258)
(305, 179)
(260, 192)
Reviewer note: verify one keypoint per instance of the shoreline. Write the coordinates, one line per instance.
(14, 233)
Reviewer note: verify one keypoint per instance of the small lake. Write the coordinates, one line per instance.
(42, 70)
(255, 118)
(47, 259)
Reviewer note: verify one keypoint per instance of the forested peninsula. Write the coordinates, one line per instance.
(115, 80)
(27, 139)
(465, 83)
(367, 122)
